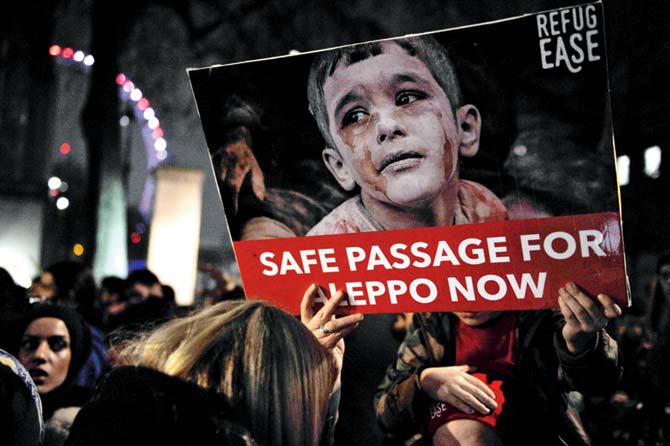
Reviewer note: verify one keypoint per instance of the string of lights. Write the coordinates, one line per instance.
(152, 132)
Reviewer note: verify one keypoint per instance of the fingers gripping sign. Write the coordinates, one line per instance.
(327, 328)
(584, 316)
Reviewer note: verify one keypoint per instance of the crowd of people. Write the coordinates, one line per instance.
(243, 372)
(122, 364)
(246, 373)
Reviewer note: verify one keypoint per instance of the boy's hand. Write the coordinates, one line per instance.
(328, 329)
(454, 385)
(584, 316)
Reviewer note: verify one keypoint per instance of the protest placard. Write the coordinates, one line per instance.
(465, 169)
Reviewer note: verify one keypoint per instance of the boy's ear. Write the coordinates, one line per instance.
(334, 163)
(469, 122)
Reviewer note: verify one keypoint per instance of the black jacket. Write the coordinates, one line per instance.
(136, 406)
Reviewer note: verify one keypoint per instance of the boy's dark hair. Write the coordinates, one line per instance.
(425, 48)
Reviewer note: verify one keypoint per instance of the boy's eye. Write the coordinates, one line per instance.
(353, 117)
(407, 97)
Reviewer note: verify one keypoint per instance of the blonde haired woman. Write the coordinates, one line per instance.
(244, 364)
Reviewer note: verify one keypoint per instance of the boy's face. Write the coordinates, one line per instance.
(394, 130)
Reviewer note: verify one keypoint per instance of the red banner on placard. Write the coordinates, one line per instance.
(510, 265)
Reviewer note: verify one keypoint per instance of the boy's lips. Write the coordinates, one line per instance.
(399, 160)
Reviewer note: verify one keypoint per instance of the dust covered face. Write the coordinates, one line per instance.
(394, 128)
(45, 352)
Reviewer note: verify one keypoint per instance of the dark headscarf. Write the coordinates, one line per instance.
(80, 335)
(67, 394)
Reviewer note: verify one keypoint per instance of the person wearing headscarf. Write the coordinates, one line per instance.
(55, 344)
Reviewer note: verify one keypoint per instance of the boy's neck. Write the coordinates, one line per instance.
(439, 212)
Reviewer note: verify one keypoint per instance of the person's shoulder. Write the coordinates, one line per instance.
(478, 204)
(349, 217)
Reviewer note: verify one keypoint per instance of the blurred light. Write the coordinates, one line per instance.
(293, 52)
(652, 161)
(160, 145)
(153, 123)
(62, 203)
(54, 183)
(64, 148)
(157, 133)
(143, 103)
(161, 155)
(67, 52)
(55, 50)
(89, 60)
(136, 94)
(78, 56)
(135, 238)
(124, 121)
(149, 113)
(128, 86)
(54, 192)
(520, 150)
(64, 186)
(78, 249)
(120, 79)
(623, 169)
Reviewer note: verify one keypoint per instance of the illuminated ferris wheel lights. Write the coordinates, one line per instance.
(120, 79)
(136, 94)
(128, 86)
(143, 104)
(55, 50)
(153, 123)
(160, 145)
(54, 183)
(157, 133)
(62, 203)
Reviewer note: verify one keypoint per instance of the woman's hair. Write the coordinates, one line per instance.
(272, 370)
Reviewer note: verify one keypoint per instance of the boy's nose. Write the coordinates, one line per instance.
(388, 128)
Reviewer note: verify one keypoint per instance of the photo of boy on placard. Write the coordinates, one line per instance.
(265, 145)
(468, 126)
(396, 131)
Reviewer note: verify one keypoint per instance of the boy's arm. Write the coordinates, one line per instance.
(400, 405)
(589, 358)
